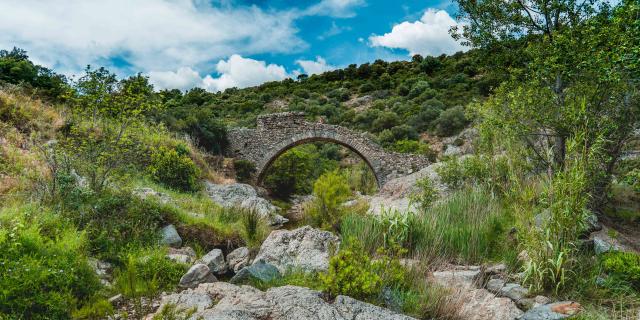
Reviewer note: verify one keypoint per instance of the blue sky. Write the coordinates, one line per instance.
(217, 44)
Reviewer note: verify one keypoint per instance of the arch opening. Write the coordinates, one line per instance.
(324, 154)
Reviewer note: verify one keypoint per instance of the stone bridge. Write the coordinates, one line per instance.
(278, 132)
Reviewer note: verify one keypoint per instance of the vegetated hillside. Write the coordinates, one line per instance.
(395, 101)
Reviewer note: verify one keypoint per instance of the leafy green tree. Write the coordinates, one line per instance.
(574, 85)
(331, 190)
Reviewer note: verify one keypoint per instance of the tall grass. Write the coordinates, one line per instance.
(468, 227)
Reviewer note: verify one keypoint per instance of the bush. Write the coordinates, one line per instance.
(451, 121)
(352, 273)
(331, 190)
(244, 170)
(115, 220)
(413, 146)
(42, 275)
(426, 194)
(147, 272)
(624, 266)
(632, 178)
(254, 228)
(174, 168)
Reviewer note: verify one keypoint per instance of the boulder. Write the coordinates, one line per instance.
(226, 301)
(259, 271)
(244, 196)
(238, 259)
(480, 304)
(305, 248)
(170, 237)
(552, 311)
(214, 259)
(197, 274)
(395, 194)
(460, 277)
(184, 255)
(513, 291)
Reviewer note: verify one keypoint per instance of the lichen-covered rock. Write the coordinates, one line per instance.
(170, 237)
(221, 301)
(244, 196)
(184, 255)
(459, 276)
(238, 259)
(259, 270)
(552, 311)
(304, 248)
(197, 274)
(214, 259)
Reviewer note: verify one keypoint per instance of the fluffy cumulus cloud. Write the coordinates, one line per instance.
(236, 71)
(314, 66)
(428, 36)
(149, 35)
(335, 8)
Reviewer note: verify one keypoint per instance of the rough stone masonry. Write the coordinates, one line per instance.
(277, 132)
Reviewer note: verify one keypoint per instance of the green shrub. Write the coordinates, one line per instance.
(254, 228)
(42, 276)
(115, 220)
(147, 272)
(426, 194)
(174, 168)
(413, 146)
(100, 309)
(632, 178)
(451, 121)
(623, 265)
(353, 273)
(331, 190)
(244, 170)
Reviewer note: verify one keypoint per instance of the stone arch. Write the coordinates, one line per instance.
(278, 132)
(262, 168)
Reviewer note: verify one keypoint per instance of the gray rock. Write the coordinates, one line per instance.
(117, 299)
(214, 259)
(513, 291)
(259, 270)
(601, 246)
(552, 311)
(244, 196)
(278, 303)
(170, 237)
(480, 304)
(495, 269)
(305, 248)
(197, 274)
(238, 259)
(184, 255)
(145, 193)
(456, 278)
(593, 224)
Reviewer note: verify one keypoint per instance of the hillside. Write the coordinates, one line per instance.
(119, 201)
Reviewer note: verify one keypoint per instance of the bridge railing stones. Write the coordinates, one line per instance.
(278, 132)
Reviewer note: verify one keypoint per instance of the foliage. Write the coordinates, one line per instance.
(174, 168)
(330, 191)
(43, 268)
(426, 194)
(96, 310)
(413, 146)
(254, 227)
(467, 227)
(147, 272)
(244, 170)
(623, 265)
(632, 178)
(352, 273)
(492, 172)
(451, 121)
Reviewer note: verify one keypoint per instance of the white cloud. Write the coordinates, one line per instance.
(243, 72)
(315, 67)
(150, 35)
(184, 78)
(234, 72)
(335, 8)
(428, 36)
